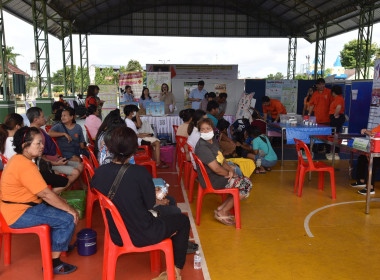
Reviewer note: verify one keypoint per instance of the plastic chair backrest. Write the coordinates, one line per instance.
(3, 225)
(175, 128)
(58, 150)
(94, 160)
(300, 145)
(106, 204)
(47, 128)
(202, 168)
(89, 170)
(182, 142)
(89, 136)
(4, 160)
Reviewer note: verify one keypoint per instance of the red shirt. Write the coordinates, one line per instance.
(321, 103)
(90, 100)
(275, 107)
(260, 124)
(337, 100)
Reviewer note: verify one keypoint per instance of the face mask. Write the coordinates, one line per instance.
(134, 114)
(207, 136)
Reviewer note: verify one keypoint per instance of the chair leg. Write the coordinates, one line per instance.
(7, 248)
(47, 262)
(193, 175)
(89, 207)
(176, 154)
(321, 181)
(155, 261)
(297, 178)
(332, 178)
(237, 211)
(181, 163)
(199, 204)
(112, 259)
(169, 257)
(301, 180)
(187, 174)
(105, 255)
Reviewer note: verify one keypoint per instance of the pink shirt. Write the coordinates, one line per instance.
(93, 123)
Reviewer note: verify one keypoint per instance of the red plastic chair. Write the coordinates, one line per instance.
(43, 232)
(89, 136)
(150, 165)
(47, 128)
(175, 128)
(112, 251)
(143, 153)
(183, 163)
(58, 150)
(304, 167)
(93, 158)
(193, 176)
(91, 195)
(210, 189)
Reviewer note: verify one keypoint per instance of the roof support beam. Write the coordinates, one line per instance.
(363, 51)
(41, 44)
(84, 75)
(320, 51)
(292, 57)
(67, 55)
(4, 64)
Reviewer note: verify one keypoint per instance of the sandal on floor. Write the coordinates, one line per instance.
(162, 166)
(257, 171)
(226, 220)
(267, 168)
(64, 268)
(229, 216)
(191, 247)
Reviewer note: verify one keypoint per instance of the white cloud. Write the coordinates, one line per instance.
(256, 57)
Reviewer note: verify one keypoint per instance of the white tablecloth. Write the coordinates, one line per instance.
(165, 124)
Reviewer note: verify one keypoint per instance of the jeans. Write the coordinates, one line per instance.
(237, 169)
(266, 163)
(61, 224)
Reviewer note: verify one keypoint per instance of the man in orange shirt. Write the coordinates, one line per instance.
(320, 103)
(274, 107)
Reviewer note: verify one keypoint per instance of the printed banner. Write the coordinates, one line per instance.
(220, 88)
(285, 91)
(133, 79)
(374, 112)
(188, 87)
(154, 81)
(109, 94)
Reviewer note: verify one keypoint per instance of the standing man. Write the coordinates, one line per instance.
(274, 107)
(222, 100)
(197, 94)
(320, 103)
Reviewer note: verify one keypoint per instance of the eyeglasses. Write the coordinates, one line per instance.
(26, 131)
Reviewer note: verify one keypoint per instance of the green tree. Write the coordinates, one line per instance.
(277, 76)
(10, 56)
(301, 77)
(349, 52)
(134, 65)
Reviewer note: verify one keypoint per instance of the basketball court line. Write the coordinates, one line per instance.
(308, 217)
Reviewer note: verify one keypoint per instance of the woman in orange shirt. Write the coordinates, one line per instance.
(306, 101)
(23, 189)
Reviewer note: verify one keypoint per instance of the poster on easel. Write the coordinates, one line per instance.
(133, 79)
(374, 111)
(154, 81)
(285, 91)
(109, 94)
(156, 109)
(188, 87)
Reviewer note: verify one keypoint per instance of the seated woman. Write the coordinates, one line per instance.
(226, 144)
(192, 129)
(23, 189)
(12, 123)
(362, 167)
(221, 174)
(186, 115)
(135, 196)
(92, 121)
(262, 150)
(69, 136)
(145, 98)
(259, 121)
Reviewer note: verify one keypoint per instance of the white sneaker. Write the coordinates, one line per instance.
(337, 157)
(329, 156)
(258, 162)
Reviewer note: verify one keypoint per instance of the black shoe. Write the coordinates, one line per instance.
(364, 191)
(358, 184)
(191, 247)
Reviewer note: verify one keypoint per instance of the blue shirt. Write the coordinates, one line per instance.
(259, 144)
(69, 149)
(127, 97)
(143, 102)
(195, 93)
(214, 120)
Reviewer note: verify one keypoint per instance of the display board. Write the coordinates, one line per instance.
(284, 90)
(374, 113)
(155, 109)
(188, 87)
(133, 79)
(109, 94)
(245, 103)
(154, 81)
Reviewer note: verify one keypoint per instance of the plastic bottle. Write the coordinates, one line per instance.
(197, 260)
(163, 191)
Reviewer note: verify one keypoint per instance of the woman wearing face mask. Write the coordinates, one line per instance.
(221, 174)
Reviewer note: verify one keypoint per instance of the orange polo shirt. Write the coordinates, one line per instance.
(321, 103)
(376, 129)
(337, 100)
(275, 107)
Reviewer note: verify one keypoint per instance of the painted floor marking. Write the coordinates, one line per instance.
(308, 217)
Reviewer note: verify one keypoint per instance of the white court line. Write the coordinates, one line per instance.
(308, 217)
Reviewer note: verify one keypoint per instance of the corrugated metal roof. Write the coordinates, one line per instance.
(200, 18)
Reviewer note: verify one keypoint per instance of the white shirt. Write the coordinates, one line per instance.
(9, 148)
(132, 125)
(194, 138)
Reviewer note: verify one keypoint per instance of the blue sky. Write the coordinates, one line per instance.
(255, 57)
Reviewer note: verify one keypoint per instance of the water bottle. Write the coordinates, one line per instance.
(163, 191)
(197, 260)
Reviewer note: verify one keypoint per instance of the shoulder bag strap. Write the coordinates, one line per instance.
(264, 139)
(116, 182)
(64, 127)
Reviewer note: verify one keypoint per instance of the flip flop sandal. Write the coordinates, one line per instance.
(224, 220)
(162, 166)
(257, 171)
(64, 268)
(267, 168)
(229, 216)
